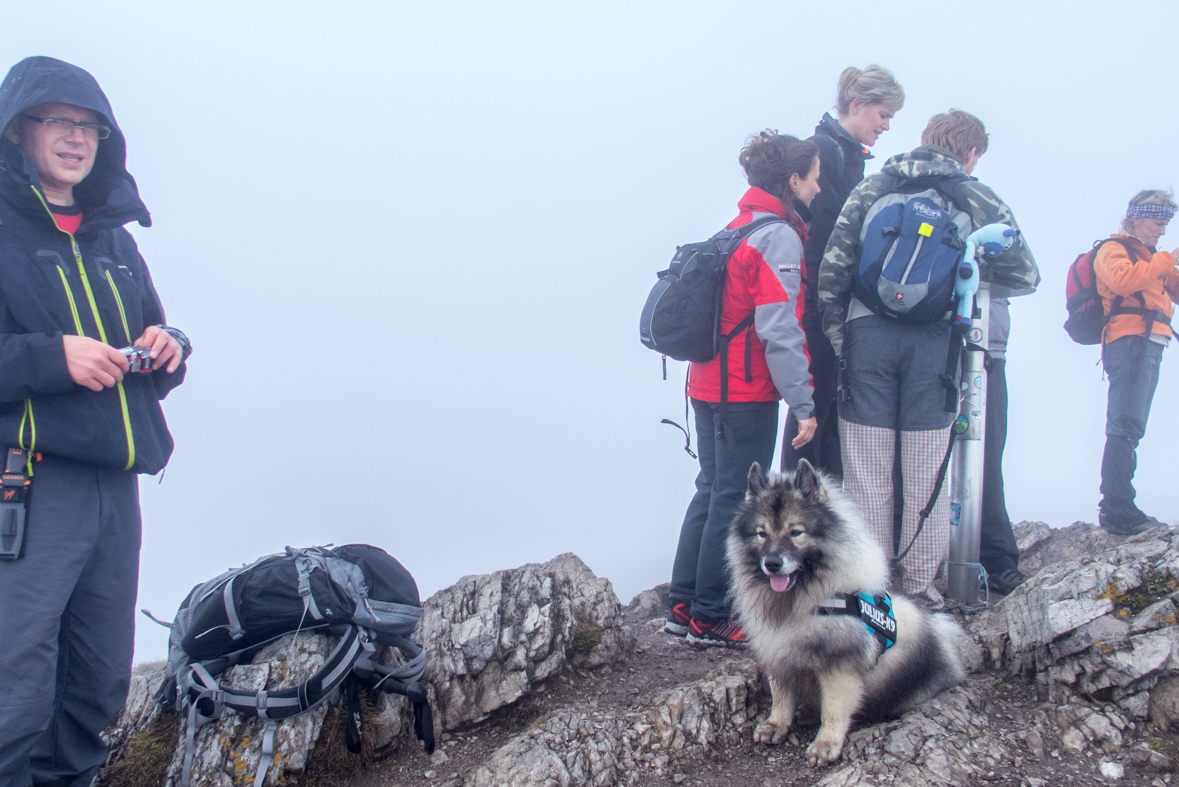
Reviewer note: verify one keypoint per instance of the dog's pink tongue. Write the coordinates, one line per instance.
(780, 582)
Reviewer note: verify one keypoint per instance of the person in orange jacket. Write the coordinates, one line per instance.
(1138, 286)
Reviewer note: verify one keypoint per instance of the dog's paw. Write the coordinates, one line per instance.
(824, 751)
(768, 732)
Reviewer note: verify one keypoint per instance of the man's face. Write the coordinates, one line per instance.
(1149, 230)
(63, 160)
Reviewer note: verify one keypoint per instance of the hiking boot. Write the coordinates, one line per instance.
(678, 620)
(1126, 526)
(723, 632)
(1006, 581)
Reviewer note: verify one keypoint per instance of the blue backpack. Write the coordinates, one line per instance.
(910, 247)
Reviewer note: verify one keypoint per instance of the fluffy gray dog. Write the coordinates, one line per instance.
(809, 583)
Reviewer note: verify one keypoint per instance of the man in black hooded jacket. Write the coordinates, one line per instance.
(73, 290)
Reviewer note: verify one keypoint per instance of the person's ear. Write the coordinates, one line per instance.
(12, 134)
(856, 106)
(793, 182)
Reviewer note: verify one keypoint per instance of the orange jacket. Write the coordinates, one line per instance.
(1152, 275)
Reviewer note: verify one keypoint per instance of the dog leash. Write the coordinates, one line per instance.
(937, 490)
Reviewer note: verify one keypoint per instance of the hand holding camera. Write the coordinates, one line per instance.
(138, 358)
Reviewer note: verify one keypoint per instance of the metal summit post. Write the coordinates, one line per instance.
(966, 475)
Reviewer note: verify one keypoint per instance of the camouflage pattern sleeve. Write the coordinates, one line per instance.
(1015, 268)
(836, 273)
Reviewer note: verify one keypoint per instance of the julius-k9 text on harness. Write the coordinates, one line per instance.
(875, 612)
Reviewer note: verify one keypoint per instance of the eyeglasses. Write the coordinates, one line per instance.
(65, 128)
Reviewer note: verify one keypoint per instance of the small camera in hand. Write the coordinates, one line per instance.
(138, 357)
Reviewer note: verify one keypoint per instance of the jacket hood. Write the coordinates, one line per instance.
(108, 195)
(757, 200)
(924, 162)
(830, 127)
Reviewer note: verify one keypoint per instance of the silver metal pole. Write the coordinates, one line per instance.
(966, 476)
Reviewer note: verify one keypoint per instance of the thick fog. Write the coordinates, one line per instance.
(410, 242)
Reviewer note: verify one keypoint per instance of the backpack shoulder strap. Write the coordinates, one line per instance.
(730, 239)
(953, 187)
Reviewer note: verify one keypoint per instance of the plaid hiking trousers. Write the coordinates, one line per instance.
(868, 453)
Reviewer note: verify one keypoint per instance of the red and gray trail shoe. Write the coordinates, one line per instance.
(678, 620)
(726, 632)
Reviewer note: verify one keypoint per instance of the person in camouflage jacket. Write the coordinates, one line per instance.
(1015, 269)
(893, 371)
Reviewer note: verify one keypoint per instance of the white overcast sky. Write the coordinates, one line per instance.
(410, 243)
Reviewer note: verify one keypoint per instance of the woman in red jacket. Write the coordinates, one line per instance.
(768, 362)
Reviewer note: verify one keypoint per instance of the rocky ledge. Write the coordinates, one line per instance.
(539, 676)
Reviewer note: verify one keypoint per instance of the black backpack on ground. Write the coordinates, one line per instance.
(356, 592)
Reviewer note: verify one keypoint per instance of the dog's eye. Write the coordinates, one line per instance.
(761, 534)
(796, 532)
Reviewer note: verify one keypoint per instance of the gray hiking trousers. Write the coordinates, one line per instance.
(67, 623)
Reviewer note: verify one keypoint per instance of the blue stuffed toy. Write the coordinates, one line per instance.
(992, 240)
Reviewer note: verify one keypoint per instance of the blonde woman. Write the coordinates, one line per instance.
(867, 100)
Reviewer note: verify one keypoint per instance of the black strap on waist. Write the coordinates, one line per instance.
(724, 368)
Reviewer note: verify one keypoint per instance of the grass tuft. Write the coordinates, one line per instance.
(587, 635)
(147, 755)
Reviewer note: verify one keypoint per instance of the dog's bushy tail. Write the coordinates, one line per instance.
(954, 641)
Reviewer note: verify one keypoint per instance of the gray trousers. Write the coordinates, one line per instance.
(67, 623)
(1132, 365)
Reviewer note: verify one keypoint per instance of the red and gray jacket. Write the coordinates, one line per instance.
(764, 277)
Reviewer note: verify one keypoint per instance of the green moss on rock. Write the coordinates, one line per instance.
(587, 635)
(147, 755)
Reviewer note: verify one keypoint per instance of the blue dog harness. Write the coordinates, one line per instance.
(875, 612)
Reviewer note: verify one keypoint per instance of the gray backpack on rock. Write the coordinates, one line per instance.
(356, 592)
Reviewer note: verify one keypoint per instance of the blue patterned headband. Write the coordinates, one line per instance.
(1164, 212)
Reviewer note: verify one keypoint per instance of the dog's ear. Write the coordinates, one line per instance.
(807, 482)
(757, 481)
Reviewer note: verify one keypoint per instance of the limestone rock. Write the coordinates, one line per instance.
(1040, 545)
(575, 748)
(1097, 617)
(139, 710)
(1028, 534)
(227, 751)
(945, 741)
(492, 637)
(652, 603)
(1164, 703)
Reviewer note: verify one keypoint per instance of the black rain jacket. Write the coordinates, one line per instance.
(91, 284)
(841, 168)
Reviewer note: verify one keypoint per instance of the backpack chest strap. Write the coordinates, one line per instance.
(873, 611)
